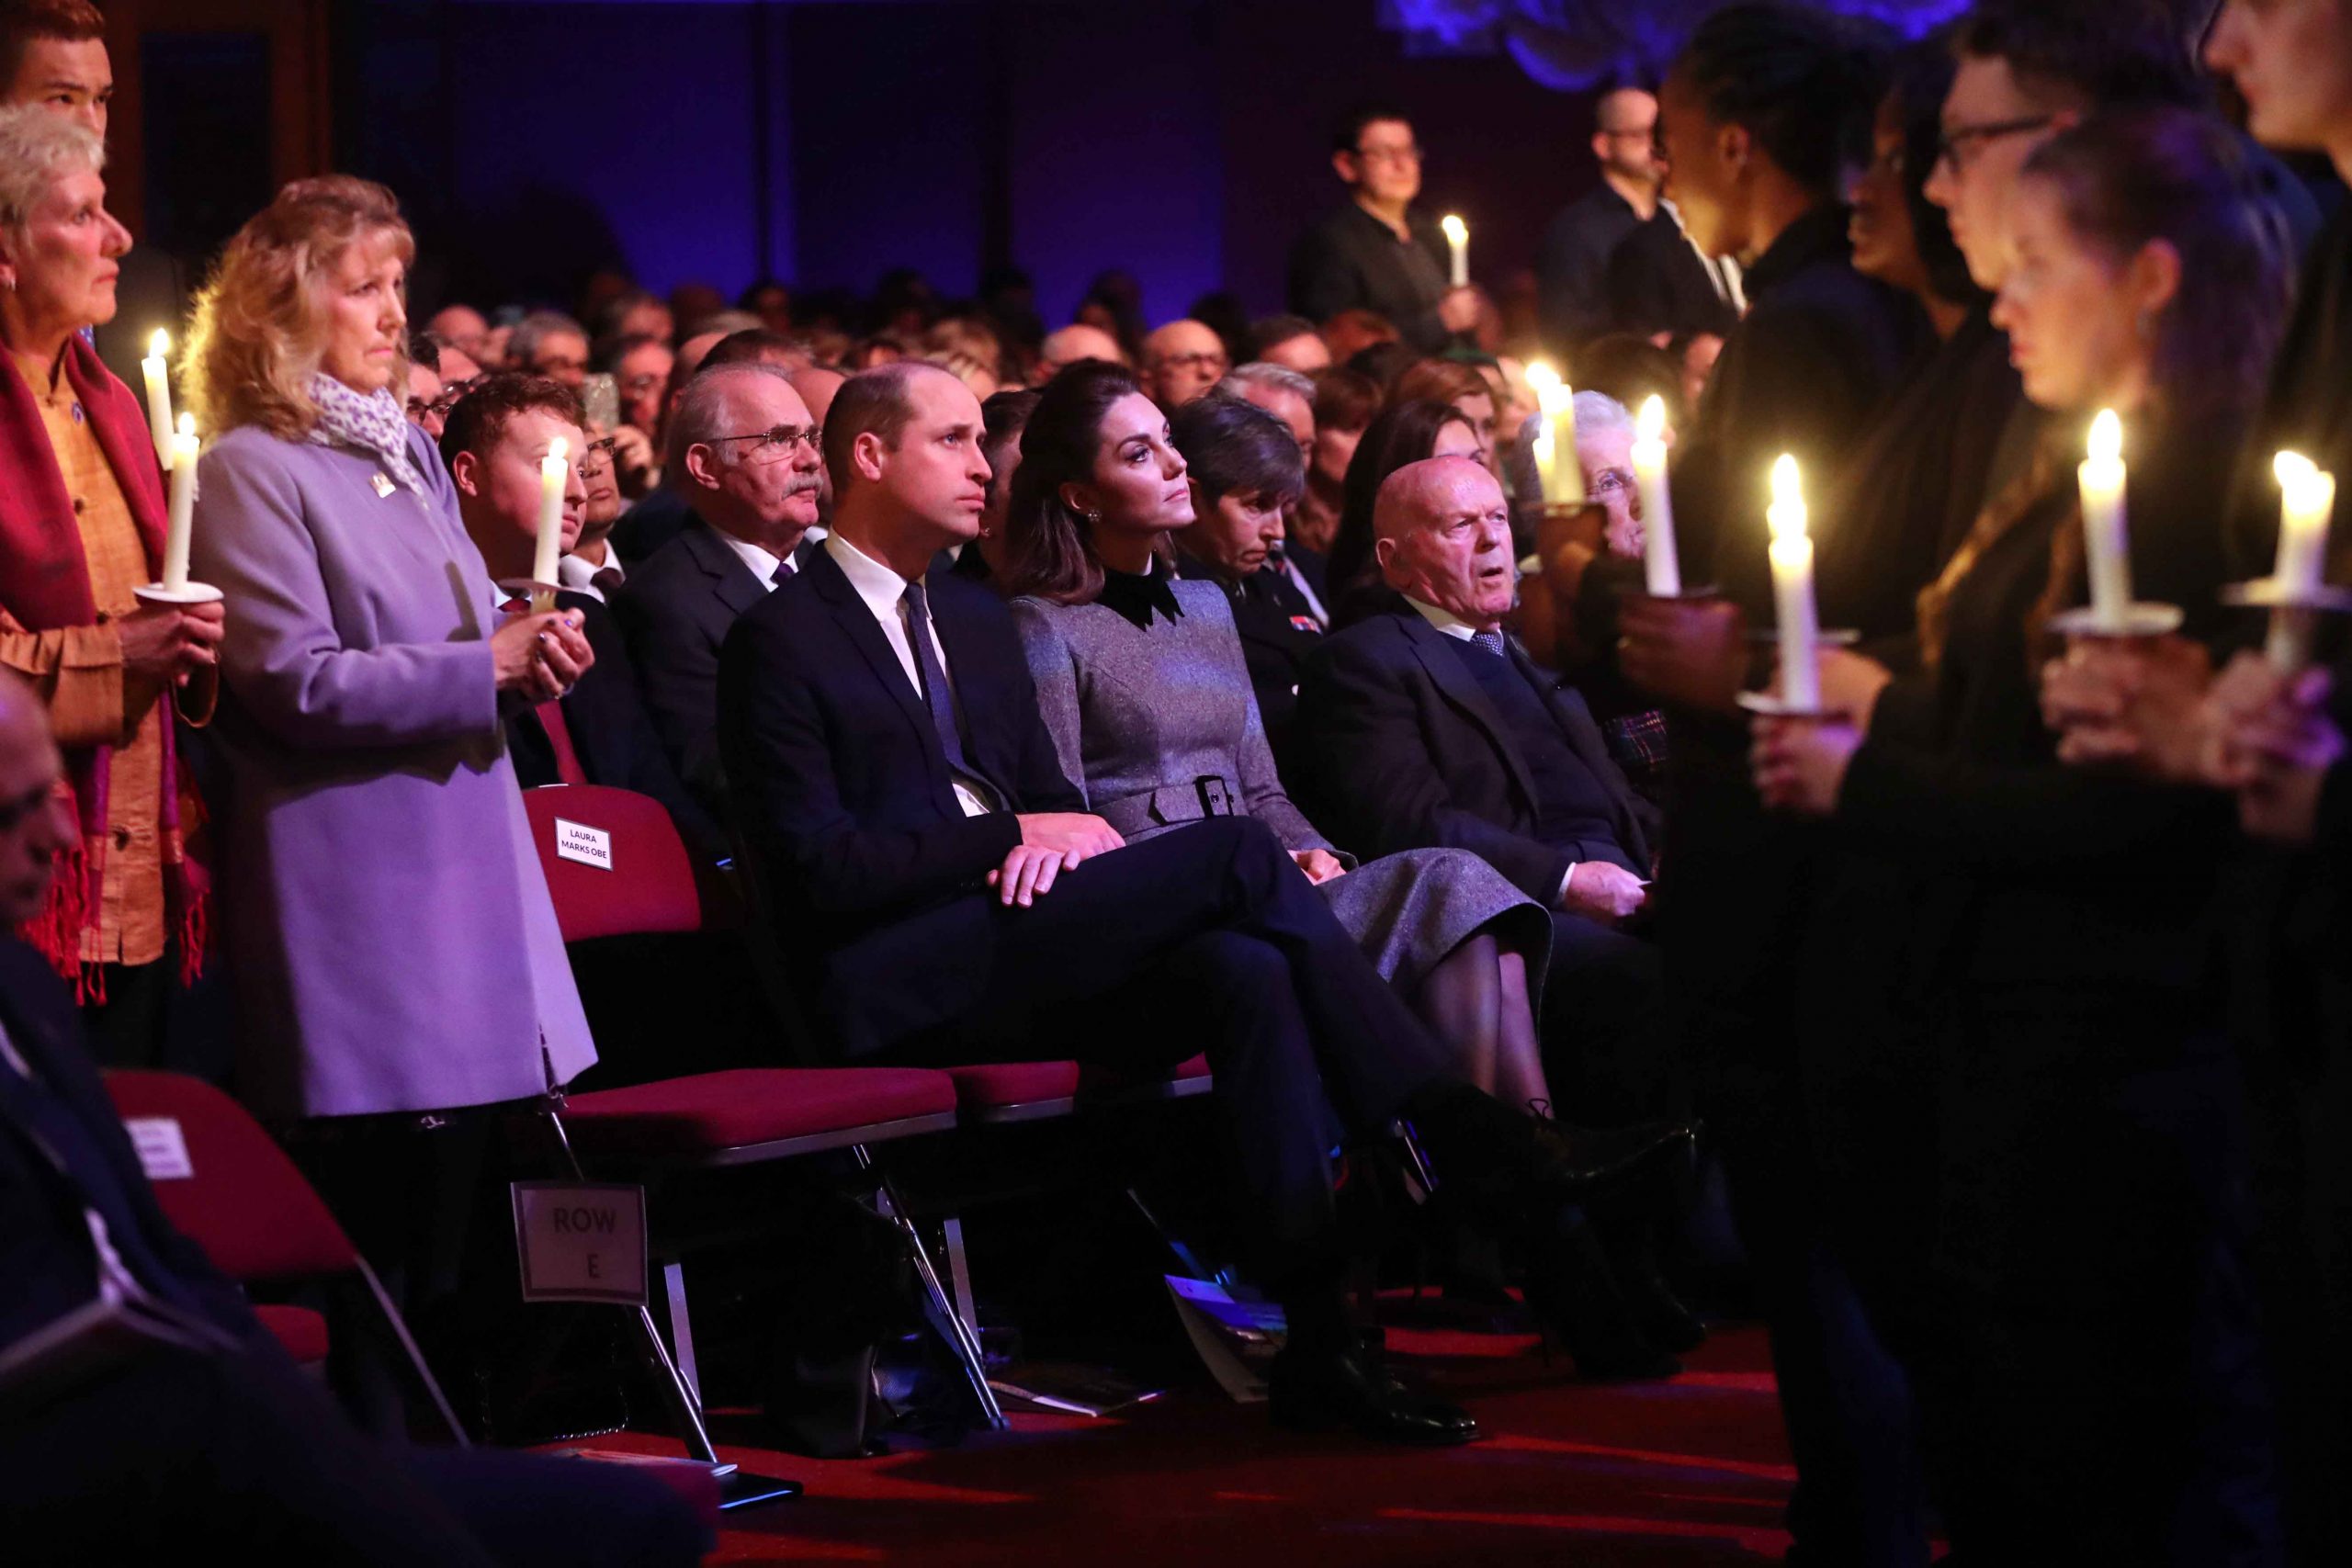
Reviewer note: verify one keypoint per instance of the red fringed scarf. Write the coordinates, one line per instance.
(46, 586)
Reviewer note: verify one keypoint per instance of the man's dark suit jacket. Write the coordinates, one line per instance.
(675, 610)
(1404, 752)
(611, 733)
(844, 798)
(1572, 267)
(653, 523)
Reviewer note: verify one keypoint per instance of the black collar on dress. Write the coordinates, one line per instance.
(1135, 595)
(1819, 235)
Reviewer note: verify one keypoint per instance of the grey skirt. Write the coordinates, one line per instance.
(1408, 910)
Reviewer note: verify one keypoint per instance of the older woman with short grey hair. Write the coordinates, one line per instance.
(81, 528)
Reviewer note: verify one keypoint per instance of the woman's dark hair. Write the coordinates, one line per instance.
(1344, 399)
(1798, 82)
(1630, 368)
(1384, 362)
(2127, 180)
(1916, 91)
(1232, 447)
(1003, 416)
(1401, 434)
(1049, 547)
(2133, 177)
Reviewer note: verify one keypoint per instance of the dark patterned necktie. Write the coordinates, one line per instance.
(1492, 641)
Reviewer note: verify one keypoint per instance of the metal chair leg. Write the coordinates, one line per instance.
(736, 1488)
(959, 1272)
(682, 1333)
(961, 1338)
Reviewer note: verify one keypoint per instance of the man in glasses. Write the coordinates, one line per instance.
(1182, 361)
(1572, 264)
(1378, 252)
(743, 451)
(599, 732)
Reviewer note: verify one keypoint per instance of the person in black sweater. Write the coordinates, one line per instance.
(2275, 738)
(1377, 250)
(2089, 1382)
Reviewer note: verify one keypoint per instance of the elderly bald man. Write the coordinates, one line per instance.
(1182, 361)
(1078, 340)
(1428, 725)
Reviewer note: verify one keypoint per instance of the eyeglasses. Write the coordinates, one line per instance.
(1408, 153)
(776, 443)
(1200, 360)
(1606, 483)
(1959, 145)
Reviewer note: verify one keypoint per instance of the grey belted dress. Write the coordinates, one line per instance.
(1148, 701)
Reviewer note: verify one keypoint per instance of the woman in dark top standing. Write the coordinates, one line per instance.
(2087, 1382)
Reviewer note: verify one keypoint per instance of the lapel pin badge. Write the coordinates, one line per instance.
(383, 485)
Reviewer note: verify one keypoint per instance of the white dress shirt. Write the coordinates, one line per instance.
(885, 593)
(579, 575)
(762, 562)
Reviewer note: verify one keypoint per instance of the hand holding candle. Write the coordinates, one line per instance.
(157, 374)
(1792, 557)
(555, 478)
(2106, 534)
(184, 448)
(1457, 237)
(1661, 566)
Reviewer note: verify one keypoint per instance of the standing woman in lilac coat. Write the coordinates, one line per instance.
(398, 970)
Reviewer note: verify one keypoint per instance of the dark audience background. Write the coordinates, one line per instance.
(827, 144)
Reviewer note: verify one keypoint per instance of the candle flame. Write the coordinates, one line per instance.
(1556, 400)
(188, 424)
(2290, 466)
(2310, 490)
(1455, 230)
(1541, 375)
(160, 345)
(1650, 423)
(558, 450)
(1787, 514)
(2106, 437)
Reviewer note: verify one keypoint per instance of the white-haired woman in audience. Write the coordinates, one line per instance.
(396, 962)
(1568, 541)
(81, 526)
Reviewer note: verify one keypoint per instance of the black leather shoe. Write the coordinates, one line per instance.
(1323, 1391)
(1473, 1137)
(1575, 1298)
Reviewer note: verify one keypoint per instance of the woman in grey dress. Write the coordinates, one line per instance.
(1143, 684)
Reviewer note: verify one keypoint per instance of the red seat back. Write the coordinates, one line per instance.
(245, 1204)
(650, 886)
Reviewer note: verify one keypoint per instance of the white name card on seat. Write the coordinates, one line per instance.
(162, 1147)
(589, 846)
(581, 1241)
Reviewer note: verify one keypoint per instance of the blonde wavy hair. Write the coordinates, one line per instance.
(260, 319)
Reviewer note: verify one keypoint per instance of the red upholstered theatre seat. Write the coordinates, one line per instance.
(245, 1204)
(651, 884)
(754, 1113)
(302, 1333)
(1030, 1091)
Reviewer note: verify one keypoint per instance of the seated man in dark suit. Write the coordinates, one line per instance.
(1429, 726)
(743, 450)
(599, 732)
(205, 1435)
(947, 899)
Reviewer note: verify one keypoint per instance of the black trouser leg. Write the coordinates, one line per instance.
(1606, 1050)
(127, 1029)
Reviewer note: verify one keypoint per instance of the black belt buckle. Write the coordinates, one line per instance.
(1216, 799)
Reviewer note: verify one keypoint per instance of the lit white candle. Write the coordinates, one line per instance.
(2105, 533)
(1563, 476)
(1792, 558)
(2307, 497)
(1457, 236)
(2307, 501)
(555, 476)
(183, 449)
(158, 377)
(1658, 560)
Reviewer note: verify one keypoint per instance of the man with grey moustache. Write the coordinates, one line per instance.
(743, 451)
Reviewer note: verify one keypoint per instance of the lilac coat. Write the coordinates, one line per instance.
(389, 934)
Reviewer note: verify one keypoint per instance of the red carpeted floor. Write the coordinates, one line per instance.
(1645, 1476)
